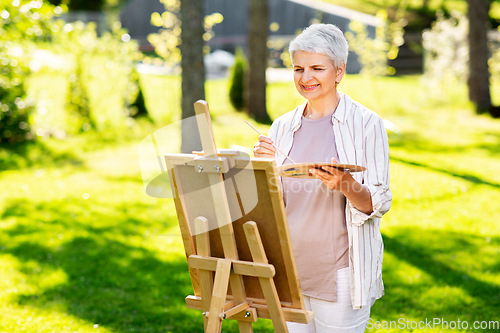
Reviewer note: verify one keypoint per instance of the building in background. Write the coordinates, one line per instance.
(286, 18)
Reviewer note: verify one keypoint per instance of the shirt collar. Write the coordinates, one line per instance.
(340, 113)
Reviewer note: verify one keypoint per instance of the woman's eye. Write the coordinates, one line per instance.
(298, 69)
(318, 69)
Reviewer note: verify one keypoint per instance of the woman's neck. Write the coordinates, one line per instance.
(316, 109)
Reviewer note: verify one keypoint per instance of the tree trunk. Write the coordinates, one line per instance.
(257, 60)
(193, 70)
(479, 76)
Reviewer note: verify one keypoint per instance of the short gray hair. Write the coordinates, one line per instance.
(325, 39)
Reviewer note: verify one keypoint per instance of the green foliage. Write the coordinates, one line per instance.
(238, 78)
(419, 13)
(138, 107)
(29, 34)
(23, 20)
(77, 104)
(373, 54)
(22, 23)
(90, 61)
(446, 47)
(167, 41)
(15, 105)
(92, 5)
(446, 52)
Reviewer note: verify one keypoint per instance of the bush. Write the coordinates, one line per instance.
(138, 106)
(15, 104)
(77, 100)
(100, 78)
(100, 83)
(446, 54)
(21, 24)
(238, 74)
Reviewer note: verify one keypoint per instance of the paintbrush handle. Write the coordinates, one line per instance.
(256, 130)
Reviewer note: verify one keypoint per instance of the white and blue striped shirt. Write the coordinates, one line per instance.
(360, 139)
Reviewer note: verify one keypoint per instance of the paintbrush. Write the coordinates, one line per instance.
(256, 130)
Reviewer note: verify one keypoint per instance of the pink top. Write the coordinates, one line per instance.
(316, 214)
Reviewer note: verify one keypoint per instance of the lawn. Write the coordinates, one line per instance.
(84, 249)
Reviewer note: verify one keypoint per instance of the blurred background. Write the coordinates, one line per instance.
(83, 248)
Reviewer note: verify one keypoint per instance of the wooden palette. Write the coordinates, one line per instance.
(301, 170)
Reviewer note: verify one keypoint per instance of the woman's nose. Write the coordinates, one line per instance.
(307, 76)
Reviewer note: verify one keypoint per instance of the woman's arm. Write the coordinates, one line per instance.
(356, 193)
(375, 180)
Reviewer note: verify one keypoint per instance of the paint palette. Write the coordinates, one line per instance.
(301, 170)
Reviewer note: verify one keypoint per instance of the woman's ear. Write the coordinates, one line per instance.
(340, 73)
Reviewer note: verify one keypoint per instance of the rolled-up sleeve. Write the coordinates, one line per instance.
(273, 131)
(376, 177)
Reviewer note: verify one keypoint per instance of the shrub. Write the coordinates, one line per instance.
(138, 106)
(100, 77)
(446, 52)
(21, 24)
(238, 74)
(77, 100)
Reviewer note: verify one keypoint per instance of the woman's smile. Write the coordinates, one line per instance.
(310, 87)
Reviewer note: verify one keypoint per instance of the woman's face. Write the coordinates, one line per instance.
(314, 75)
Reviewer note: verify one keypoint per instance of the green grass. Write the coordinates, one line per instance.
(83, 249)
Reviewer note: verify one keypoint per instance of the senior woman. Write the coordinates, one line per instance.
(334, 220)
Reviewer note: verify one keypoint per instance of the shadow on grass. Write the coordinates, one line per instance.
(109, 276)
(449, 281)
(34, 154)
(412, 141)
(415, 142)
(464, 176)
(114, 285)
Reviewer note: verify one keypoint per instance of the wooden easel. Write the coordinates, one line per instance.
(211, 274)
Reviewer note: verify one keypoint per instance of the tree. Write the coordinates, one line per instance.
(193, 69)
(479, 76)
(182, 40)
(257, 60)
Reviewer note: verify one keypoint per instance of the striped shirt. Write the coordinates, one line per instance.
(360, 139)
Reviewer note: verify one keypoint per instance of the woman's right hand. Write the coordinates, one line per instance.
(264, 147)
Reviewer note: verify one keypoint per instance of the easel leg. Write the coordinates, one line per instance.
(268, 286)
(221, 283)
(245, 327)
(206, 278)
(240, 297)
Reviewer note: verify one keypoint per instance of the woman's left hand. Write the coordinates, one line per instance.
(338, 180)
(332, 177)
